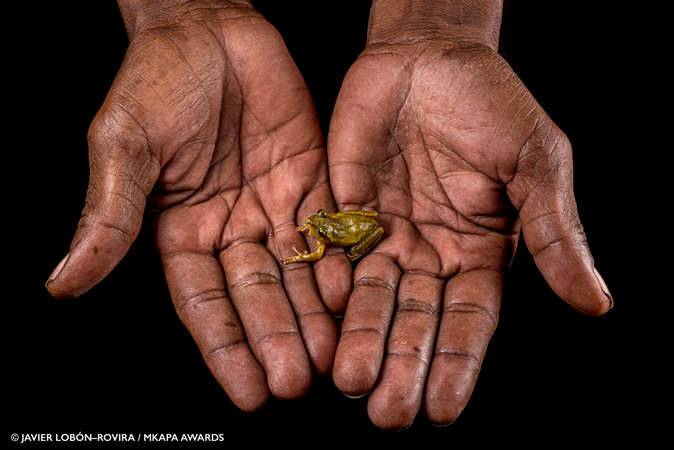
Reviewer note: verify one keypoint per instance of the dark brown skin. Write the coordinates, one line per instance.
(210, 119)
(209, 128)
(434, 130)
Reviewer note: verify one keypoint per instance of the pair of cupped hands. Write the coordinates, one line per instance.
(210, 135)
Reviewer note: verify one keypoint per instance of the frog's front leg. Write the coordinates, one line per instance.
(301, 257)
(366, 244)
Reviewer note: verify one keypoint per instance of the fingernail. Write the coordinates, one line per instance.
(356, 396)
(58, 269)
(441, 425)
(603, 286)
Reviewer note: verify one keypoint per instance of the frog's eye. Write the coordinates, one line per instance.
(320, 232)
(322, 213)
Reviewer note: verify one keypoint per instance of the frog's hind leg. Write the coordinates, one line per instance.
(354, 212)
(365, 245)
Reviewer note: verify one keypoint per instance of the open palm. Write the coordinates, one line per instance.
(455, 154)
(210, 128)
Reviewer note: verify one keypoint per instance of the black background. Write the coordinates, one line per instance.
(117, 360)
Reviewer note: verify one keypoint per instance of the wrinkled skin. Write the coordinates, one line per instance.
(209, 126)
(445, 142)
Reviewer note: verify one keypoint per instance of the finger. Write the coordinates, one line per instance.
(396, 398)
(334, 275)
(366, 323)
(121, 176)
(542, 190)
(317, 326)
(197, 285)
(469, 318)
(254, 285)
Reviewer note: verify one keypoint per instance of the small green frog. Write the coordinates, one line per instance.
(356, 229)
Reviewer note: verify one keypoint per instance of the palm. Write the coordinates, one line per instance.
(430, 167)
(455, 154)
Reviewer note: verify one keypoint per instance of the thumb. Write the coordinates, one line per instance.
(542, 191)
(121, 177)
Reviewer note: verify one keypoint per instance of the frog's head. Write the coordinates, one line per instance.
(315, 225)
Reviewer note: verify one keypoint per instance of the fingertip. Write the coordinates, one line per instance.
(252, 399)
(569, 270)
(251, 405)
(287, 366)
(450, 385)
(357, 361)
(93, 257)
(72, 277)
(391, 413)
(289, 382)
(239, 374)
(355, 376)
(398, 395)
(589, 294)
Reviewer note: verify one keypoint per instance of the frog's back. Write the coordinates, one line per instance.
(354, 229)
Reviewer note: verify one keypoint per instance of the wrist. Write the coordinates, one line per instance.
(411, 21)
(140, 14)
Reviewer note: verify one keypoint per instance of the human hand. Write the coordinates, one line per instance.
(210, 127)
(433, 130)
